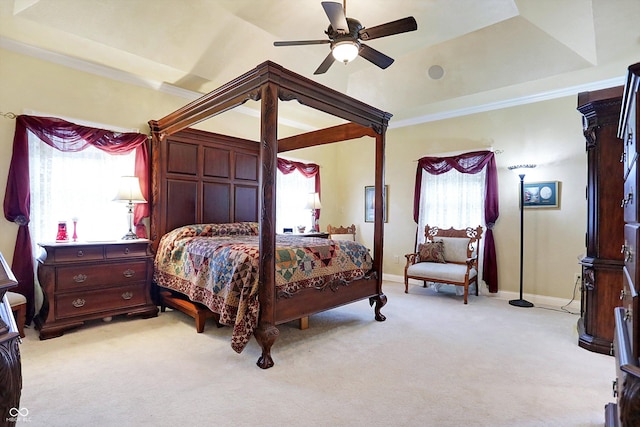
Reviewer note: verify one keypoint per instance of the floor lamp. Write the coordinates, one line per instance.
(519, 169)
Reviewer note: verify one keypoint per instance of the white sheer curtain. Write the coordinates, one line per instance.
(292, 191)
(82, 185)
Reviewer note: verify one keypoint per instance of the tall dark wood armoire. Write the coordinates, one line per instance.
(602, 265)
(626, 344)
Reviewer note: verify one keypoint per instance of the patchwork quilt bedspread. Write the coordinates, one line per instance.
(217, 265)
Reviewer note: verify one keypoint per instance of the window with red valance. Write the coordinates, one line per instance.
(69, 137)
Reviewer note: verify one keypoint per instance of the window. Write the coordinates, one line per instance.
(292, 191)
(452, 199)
(82, 185)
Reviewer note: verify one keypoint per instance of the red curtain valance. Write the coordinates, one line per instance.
(472, 162)
(64, 136)
(309, 170)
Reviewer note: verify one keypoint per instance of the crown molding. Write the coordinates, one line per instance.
(513, 102)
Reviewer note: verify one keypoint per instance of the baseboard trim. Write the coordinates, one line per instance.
(538, 300)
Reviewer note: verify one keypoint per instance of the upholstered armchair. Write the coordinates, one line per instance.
(447, 256)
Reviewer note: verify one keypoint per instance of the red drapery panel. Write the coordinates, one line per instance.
(473, 163)
(309, 170)
(64, 136)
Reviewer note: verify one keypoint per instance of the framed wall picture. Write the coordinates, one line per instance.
(369, 205)
(541, 194)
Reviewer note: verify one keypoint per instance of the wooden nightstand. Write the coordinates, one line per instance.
(83, 281)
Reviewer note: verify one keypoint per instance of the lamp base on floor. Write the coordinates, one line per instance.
(520, 303)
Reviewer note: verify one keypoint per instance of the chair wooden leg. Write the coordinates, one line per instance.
(424, 283)
(406, 284)
(20, 315)
(466, 292)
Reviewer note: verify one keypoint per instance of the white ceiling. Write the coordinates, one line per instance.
(493, 52)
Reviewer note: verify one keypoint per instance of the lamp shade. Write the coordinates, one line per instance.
(129, 190)
(520, 169)
(345, 51)
(313, 201)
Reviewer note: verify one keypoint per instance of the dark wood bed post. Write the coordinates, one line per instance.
(378, 224)
(266, 333)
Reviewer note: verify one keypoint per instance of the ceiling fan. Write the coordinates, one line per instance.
(345, 36)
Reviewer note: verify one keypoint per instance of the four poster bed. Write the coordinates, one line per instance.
(214, 194)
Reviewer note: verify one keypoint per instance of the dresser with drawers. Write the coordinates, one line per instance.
(84, 281)
(626, 344)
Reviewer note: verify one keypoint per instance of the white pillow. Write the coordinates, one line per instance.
(455, 248)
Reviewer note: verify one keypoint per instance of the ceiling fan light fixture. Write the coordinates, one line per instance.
(345, 51)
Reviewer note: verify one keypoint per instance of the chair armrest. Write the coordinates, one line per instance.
(472, 261)
(411, 259)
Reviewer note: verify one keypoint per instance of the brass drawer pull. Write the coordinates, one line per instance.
(78, 303)
(622, 294)
(79, 278)
(128, 273)
(80, 254)
(127, 295)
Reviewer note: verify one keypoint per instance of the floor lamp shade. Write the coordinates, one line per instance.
(130, 193)
(520, 170)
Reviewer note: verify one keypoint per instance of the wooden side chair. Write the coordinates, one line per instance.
(342, 233)
(448, 256)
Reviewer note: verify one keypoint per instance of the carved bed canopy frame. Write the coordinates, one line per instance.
(268, 83)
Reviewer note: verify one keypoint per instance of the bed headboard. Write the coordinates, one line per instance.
(202, 177)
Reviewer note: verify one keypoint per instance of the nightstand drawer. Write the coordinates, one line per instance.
(127, 251)
(83, 276)
(104, 300)
(78, 253)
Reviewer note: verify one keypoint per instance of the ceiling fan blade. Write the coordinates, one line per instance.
(335, 13)
(300, 42)
(375, 57)
(328, 61)
(390, 28)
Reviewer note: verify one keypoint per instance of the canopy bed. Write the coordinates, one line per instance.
(206, 182)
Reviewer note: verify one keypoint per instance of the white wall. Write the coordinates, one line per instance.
(547, 133)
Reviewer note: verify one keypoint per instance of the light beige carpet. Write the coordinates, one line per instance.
(434, 362)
